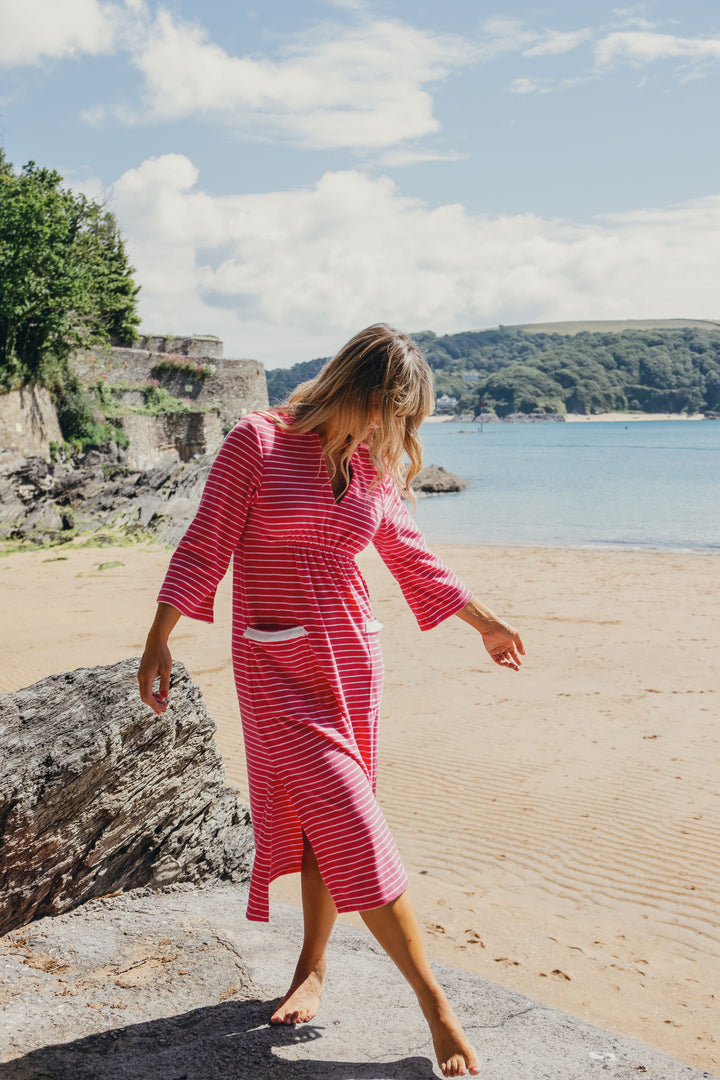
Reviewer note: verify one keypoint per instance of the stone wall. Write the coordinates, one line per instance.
(28, 423)
(200, 348)
(235, 387)
(163, 440)
(115, 365)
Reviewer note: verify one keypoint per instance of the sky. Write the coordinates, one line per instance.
(290, 171)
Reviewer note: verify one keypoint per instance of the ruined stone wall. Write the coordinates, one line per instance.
(115, 365)
(28, 423)
(164, 440)
(235, 387)
(200, 348)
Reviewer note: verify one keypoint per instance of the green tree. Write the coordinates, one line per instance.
(522, 388)
(65, 280)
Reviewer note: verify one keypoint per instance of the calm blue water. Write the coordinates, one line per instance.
(647, 484)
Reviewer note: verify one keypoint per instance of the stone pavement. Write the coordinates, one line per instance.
(178, 985)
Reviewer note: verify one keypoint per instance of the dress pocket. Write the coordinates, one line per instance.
(274, 637)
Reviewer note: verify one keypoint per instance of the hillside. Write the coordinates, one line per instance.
(615, 326)
(670, 365)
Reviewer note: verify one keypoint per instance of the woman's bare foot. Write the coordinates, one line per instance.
(456, 1057)
(302, 1000)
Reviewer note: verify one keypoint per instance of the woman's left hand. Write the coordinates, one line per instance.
(501, 640)
(505, 645)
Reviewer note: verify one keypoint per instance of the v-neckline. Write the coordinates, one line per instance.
(328, 479)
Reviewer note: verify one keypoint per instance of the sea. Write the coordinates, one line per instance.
(644, 484)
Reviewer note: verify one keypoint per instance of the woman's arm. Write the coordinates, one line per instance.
(156, 660)
(501, 640)
(431, 588)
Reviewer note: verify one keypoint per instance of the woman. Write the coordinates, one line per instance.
(292, 497)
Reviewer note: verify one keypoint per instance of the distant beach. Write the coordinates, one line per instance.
(627, 417)
(603, 418)
(559, 825)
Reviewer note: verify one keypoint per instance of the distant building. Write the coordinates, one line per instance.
(445, 402)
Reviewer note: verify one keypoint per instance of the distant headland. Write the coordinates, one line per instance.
(533, 372)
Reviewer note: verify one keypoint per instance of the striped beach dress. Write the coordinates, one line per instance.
(306, 655)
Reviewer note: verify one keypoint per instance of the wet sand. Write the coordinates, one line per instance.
(560, 825)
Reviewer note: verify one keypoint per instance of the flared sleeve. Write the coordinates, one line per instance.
(433, 592)
(202, 556)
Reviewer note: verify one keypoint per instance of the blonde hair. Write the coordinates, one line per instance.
(379, 377)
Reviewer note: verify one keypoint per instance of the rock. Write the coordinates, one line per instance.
(39, 500)
(435, 480)
(179, 985)
(98, 794)
(44, 518)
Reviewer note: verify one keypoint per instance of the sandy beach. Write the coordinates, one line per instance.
(628, 417)
(595, 418)
(559, 825)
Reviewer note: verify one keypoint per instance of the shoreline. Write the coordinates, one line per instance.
(582, 418)
(628, 417)
(85, 542)
(572, 857)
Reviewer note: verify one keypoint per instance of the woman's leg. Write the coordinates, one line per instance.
(319, 914)
(396, 928)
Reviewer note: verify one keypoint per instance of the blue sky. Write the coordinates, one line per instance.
(286, 173)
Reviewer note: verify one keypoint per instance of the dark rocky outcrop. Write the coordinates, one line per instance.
(99, 795)
(435, 480)
(40, 501)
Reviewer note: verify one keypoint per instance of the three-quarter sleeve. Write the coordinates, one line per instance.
(430, 587)
(202, 556)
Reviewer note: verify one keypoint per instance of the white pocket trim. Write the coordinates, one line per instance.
(372, 626)
(271, 636)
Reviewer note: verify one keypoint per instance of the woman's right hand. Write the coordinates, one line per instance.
(156, 663)
(156, 660)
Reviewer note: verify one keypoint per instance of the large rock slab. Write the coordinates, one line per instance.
(98, 794)
(178, 985)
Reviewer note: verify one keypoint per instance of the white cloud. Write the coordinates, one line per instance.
(501, 35)
(288, 275)
(631, 17)
(336, 85)
(528, 86)
(555, 42)
(647, 46)
(395, 159)
(85, 184)
(36, 29)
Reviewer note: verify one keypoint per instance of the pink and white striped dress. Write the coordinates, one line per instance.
(306, 655)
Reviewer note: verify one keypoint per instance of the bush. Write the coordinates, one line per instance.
(81, 422)
(185, 366)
